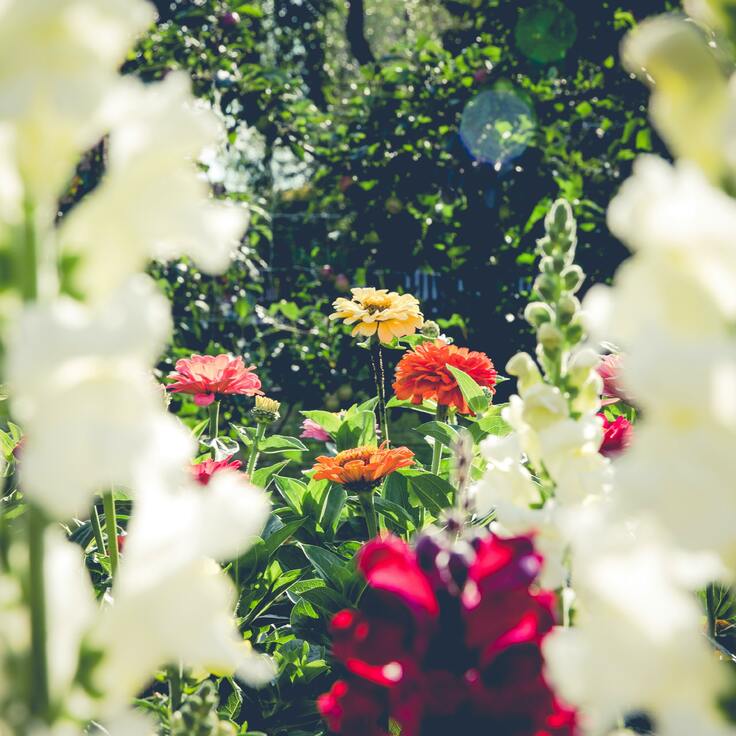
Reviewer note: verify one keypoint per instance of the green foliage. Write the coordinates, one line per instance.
(357, 174)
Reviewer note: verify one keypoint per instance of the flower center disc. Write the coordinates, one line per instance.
(362, 454)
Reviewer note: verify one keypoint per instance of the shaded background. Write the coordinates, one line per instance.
(412, 145)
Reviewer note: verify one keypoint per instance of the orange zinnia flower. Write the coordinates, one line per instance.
(205, 376)
(422, 374)
(362, 468)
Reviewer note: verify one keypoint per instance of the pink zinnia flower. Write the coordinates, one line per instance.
(208, 375)
(204, 471)
(616, 435)
(312, 431)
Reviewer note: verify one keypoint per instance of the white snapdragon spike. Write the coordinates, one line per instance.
(82, 392)
(634, 613)
(692, 104)
(153, 203)
(58, 60)
(672, 307)
(171, 603)
(545, 436)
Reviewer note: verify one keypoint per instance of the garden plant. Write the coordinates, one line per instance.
(533, 538)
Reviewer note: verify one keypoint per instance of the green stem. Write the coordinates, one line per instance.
(214, 419)
(368, 505)
(39, 685)
(253, 457)
(111, 525)
(97, 529)
(382, 400)
(377, 370)
(27, 260)
(175, 689)
(440, 416)
(711, 610)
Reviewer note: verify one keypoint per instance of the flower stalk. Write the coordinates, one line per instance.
(440, 416)
(39, 684)
(214, 413)
(253, 457)
(111, 526)
(368, 506)
(97, 530)
(380, 381)
(711, 610)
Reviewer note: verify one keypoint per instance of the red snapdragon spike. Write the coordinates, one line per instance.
(390, 565)
(388, 634)
(440, 650)
(617, 435)
(354, 709)
(204, 471)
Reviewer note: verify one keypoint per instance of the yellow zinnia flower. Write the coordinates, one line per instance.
(379, 311)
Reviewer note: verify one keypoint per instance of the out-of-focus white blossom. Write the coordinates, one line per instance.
(90, 411)
(58, 60)
(634, 612)
(170, 603)
(152, 202)
(692, 104)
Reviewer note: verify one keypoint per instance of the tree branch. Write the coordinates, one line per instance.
(355, 33)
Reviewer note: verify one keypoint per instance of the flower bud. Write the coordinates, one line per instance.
(537, 313)
(550, 338)
(546, 286)
(430, 329)
(582, 363)
(567, 307)
(266, 411)
(560, 222)
(573, 277)
(525, 369)
(574, 330)
(547, 265)
(546, 245)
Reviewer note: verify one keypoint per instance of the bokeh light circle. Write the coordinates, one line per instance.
(497, 126)
(546, 31)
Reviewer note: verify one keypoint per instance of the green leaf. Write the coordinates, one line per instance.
(435, 493)
(292, 490)
(439, 431)
(326, 599)
(326, 419)
(356, 430)
(490, 423)
(280, 536)
(471, 391)
(279, 443)
(329, 566)
(396, 513)
(424, 408)
(332, 509)
(263, 476)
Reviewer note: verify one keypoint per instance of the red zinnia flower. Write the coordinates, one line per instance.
(422, 374)
(446, 640)
(616, 435)
(204, 471)
(208, 375)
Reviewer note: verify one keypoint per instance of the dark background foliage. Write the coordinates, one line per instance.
(344, 123)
